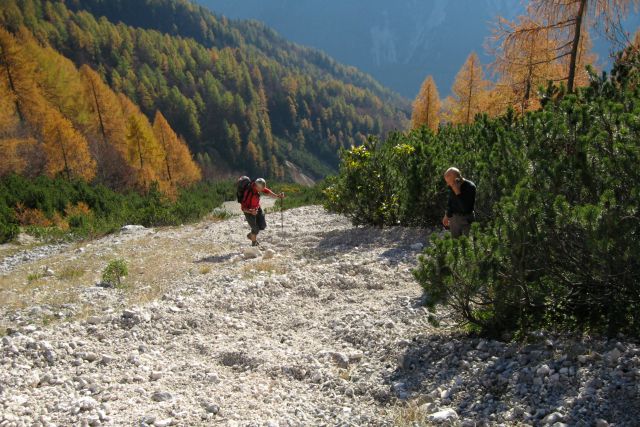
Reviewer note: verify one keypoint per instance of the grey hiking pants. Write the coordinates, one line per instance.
(256, 222)
(460, 224)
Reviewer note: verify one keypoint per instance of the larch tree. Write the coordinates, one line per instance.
(107, 118)
(569, 21)
(523, 62)
(426, 107)
(15, 155)
(8, 117)
(58, 79)
(67, 150)
(107, 131)
(19, 73)
(180, 168)
(144, 152)
(141, 152)
(469, 90)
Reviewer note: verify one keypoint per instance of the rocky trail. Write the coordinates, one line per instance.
(323, 326)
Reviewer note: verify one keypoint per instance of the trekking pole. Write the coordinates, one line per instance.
(282, 215)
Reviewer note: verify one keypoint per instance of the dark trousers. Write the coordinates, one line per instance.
(460, 224)
(256, 222)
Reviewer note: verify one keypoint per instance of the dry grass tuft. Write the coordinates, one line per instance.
(70, 273)
(257, 267)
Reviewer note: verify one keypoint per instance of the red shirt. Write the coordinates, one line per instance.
(252, 197)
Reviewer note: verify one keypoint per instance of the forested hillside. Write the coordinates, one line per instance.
(58, 120)
(242, 98)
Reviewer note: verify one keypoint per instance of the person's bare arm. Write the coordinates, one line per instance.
(270, 193)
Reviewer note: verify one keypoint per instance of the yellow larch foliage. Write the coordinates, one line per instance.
(179, 167)
(426, 107)
(469, 90)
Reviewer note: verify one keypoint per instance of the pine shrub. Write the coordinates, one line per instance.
(556, 243)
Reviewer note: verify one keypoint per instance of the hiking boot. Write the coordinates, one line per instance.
(255, 243)
(249, 236)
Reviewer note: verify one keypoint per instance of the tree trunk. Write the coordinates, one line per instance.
(12, 85)
(95, 98)
(528, 83)
(575, 48)
(166, 153)
(140, 153)
(470, 92)
(428, 106)
(64, 157)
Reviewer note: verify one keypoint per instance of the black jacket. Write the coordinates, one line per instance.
(463, 203)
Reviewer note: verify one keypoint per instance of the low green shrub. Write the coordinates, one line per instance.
(557, 237)
(114, 272)
(77, 209)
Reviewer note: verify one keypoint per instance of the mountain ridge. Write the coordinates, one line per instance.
(398, 43)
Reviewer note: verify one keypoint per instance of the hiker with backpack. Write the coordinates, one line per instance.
(248, 193)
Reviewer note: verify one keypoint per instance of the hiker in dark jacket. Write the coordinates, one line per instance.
(460, 208)
(250, 205)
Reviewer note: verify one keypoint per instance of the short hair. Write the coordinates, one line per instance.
(454, 171)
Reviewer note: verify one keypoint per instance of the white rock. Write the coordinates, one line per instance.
(341, 359)
(93, 320)
(552, 418)
(269, 254)
(161, 396)
(106, 359)
(25, 239)
(251, 253)
(212, 408)
(614, 355)
(128, 314)
(543, 371)
(89, 356)
(417, 246)
(85, 403)
(130, 229)
(155, 375)
(445, 414)
(163, 423)
(602, 423)
(29, 329)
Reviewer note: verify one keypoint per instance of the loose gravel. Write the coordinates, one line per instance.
(323, 326)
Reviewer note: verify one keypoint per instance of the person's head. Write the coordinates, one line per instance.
(261, 184)
(452, 175)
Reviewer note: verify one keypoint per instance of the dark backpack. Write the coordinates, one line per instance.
(242, 186)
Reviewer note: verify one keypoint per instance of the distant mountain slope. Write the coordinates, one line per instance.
(398, 42)
(236, 91)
